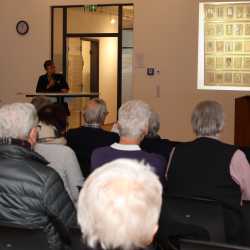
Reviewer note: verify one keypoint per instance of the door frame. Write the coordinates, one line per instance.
(66, 35)
(96, 41)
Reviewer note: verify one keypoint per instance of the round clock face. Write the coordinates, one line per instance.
(22, 27)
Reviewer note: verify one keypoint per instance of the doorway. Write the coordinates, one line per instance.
(95, 53)
(83, 64)
(92, 67)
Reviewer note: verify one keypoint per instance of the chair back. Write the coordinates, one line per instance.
(76, 239)
(203, 245)
(245, 211)
(204, 213)
(18, 238)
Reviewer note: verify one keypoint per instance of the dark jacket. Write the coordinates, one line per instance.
(33, 195)
(158, 146)
(85, 140)
(60, 83)
(201, 168)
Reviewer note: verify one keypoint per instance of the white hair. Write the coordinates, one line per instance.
(17, 120)
(207, 118)
(119, 205)
(95, 113)
(133, 119)
(154, 124)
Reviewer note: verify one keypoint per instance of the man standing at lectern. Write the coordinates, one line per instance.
(51, 81)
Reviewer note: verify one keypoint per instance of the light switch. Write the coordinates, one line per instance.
(150, 71)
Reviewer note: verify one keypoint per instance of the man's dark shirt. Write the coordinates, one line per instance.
(60, 83)
(85, 140)
(157, 145)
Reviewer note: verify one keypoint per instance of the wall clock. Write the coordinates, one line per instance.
(22, 27)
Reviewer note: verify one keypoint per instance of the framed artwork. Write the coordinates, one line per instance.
(224, 46)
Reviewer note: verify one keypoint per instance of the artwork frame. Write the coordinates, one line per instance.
(224, 46)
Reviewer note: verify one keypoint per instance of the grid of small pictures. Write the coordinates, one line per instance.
(227, 44)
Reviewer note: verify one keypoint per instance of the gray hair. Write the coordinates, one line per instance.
(154, 124)
(114, 202)
(95, 113)
(133, 119)
(40, 102)
(208, 118)
(17, 120)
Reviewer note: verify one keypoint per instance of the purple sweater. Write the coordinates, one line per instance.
(107, 154)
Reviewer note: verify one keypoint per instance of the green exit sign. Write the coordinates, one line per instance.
(90, 8)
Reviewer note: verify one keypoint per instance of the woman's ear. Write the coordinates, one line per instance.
(33, 136)
(145, 131)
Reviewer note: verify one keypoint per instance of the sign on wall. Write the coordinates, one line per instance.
(224, 46)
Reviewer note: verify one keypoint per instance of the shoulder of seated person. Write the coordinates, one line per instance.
(43, 171)
(61, 147)
(66, 149)
(74, 131)
(156, 156)
(101, 149)
(58, 74)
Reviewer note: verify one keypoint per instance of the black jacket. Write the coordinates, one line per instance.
(32, 195)
(201, 168)
(85, 140)
(158, 145)
(60, 83)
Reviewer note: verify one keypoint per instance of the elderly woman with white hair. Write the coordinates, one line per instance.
(209, 168)
(119, 206)
(133, 122)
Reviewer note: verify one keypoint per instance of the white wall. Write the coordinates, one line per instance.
(22, 57)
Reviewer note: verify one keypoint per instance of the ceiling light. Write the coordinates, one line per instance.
(113, 21)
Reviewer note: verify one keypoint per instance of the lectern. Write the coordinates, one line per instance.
(242, 121)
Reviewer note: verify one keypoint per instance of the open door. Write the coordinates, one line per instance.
(90, 70)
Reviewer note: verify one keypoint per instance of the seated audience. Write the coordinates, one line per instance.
(209, 168)
(52, 124)
(133, 126)
(32, 195)
(119, 206)
(40, 102)
(152, 142)
(84, 140)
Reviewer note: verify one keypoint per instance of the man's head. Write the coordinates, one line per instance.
(50, 67)
(207, 118)
(119, 205)
(154, 124)
(19, 121)
(133, 120)
(95, 111)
